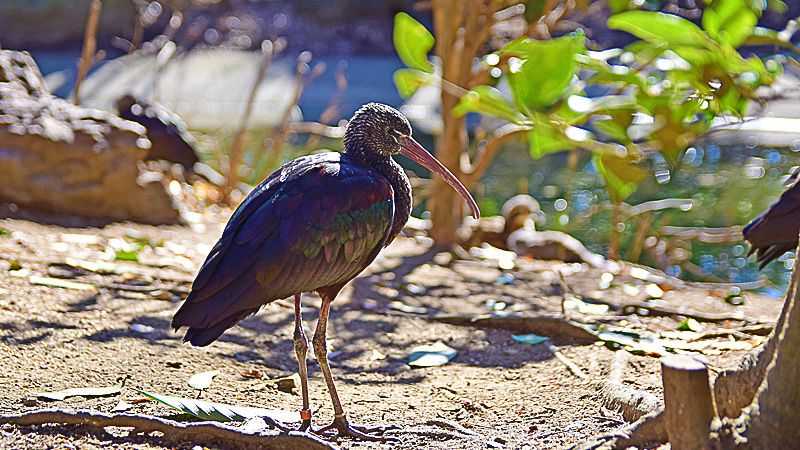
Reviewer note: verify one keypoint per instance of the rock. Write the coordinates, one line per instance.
(60, 158)
(520, 211)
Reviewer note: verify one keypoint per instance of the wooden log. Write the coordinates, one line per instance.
(688, 404)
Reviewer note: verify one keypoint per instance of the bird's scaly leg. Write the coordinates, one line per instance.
(300, 350)
(340, 423)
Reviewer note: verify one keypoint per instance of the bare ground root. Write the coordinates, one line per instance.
(496, 392)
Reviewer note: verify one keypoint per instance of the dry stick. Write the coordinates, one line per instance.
(688, 406)
(571, 366)
(89, 47)
(302, 79)
(613, 245)
(553, 326)
(237, 147)
(641, 233)
(208, 433)
(631, 403)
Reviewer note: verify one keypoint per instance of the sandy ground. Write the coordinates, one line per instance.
(511, 395)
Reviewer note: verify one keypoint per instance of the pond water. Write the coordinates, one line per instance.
(729, 186)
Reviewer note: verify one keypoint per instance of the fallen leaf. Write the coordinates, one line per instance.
(122, 406)
(81, 239)
(79, 392)
(585, 307)
(93, 266)
(690, 324)
(202, 380)
(286, 384)
(65, 284)
(221, 412)
(630, 290)
(252, 373)
(437, 354)
(127, 255)
(530, 339)
(408, 309)
(140, 328)
(653, 291)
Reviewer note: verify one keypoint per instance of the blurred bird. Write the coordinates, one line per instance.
(313, 225)
(775, 231)
(167, 132)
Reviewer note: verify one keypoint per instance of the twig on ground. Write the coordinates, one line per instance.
(552, 326)
(571, 366)
(176, 432)
(631, 403)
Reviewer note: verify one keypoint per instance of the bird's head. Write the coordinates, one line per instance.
(376, 128)
(380, 131)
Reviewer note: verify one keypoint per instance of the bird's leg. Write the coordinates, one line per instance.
(300, 350)
(340, 423)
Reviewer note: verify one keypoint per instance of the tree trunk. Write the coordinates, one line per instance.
(444, 203)
(771, 421)
(735, 388)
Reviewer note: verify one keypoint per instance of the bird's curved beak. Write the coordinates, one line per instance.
(416, 152)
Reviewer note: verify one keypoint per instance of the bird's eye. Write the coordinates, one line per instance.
(395, 134)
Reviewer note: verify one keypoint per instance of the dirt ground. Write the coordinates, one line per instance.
(510, 394)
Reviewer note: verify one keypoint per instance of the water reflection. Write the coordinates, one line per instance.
(728, 185)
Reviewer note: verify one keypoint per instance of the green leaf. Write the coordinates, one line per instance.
(412, 41)
(79, 392)
(730, 21)
(220, 412)
(408, 81)
(690, 324)
(4, 232)
(490, 101)
(660, 28)
(437, 354)
(545, 69)
(621, 175)
(127, 255)
(612, 129)
(529, 339)
(544, 139)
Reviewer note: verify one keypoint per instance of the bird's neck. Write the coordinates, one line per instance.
(390, 169)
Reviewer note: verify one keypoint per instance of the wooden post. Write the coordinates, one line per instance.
(688, 404)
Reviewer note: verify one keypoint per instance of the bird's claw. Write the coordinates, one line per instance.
(344, 428)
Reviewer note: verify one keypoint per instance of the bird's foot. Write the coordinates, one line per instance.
(343, 428)
(305, 416)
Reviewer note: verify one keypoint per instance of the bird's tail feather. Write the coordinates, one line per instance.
(200, 337)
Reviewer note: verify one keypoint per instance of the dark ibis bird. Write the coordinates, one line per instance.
(311, 226)
(775, 231)
(170, 139)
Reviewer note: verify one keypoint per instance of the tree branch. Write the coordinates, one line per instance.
(486, 154)
(176, 432)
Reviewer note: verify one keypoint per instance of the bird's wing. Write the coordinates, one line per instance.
(316, 222)
(775, 231)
